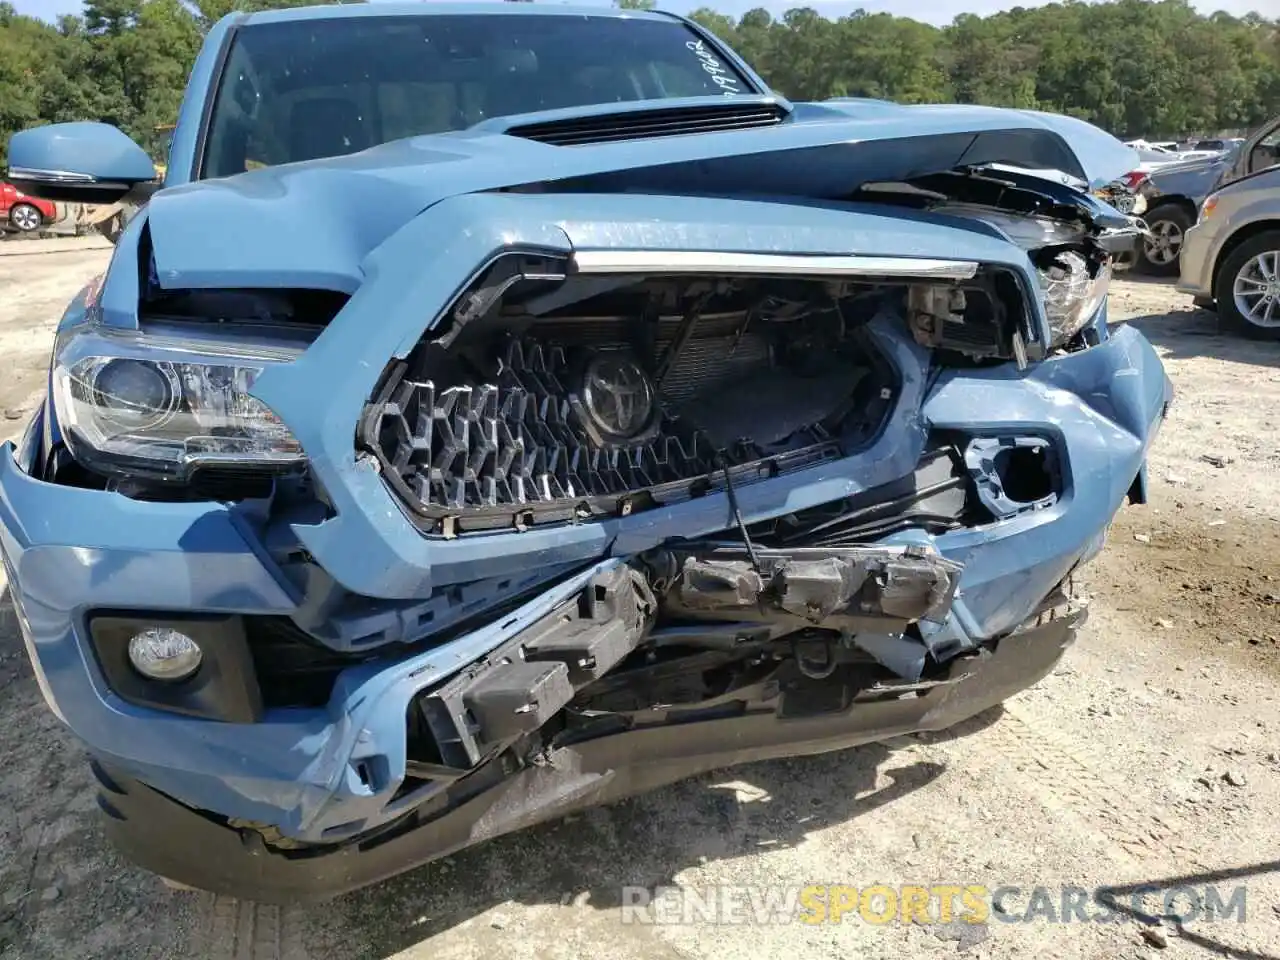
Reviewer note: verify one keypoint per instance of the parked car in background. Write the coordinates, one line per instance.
(1123, 194)
(1214, 145)
(1148, 145)
(1152, 160)
(1232, 255)
(1175, 192)
(23, 213)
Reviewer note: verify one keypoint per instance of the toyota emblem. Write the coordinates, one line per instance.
(618, 395)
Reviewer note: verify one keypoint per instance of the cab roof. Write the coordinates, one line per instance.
(432, 9)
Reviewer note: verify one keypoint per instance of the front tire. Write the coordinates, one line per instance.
(1248, 287)
(25, 218)
(1158, 253)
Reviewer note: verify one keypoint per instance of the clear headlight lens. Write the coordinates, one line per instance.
(140, 405)
(1073, 292)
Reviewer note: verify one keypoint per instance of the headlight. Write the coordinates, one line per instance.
(1073, 291)
(164, 407)
(1208, 206)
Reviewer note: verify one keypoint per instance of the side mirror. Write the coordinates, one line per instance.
(77, 162)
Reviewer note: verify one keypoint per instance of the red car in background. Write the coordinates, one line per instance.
(21, 212)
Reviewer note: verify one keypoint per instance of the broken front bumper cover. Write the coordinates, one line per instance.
(756, 605)
(186, 846)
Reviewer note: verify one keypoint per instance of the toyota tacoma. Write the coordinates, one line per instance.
(504, 409)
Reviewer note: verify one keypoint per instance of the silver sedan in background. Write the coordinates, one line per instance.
(1232, 255)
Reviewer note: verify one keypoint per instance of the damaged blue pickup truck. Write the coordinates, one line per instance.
(505, 409)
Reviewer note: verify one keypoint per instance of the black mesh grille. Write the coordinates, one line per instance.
(293, 669)
(521, 448)
(668, 122)
(937, 497)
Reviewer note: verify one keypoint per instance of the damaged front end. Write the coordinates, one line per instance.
(672, 665)
(579, 492)
(674, 637)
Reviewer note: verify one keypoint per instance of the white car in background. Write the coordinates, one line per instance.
(1150, 159)
(1167, 146)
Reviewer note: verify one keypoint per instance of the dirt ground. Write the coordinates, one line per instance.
(1152, 756)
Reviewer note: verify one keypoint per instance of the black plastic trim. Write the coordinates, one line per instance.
(647, 124)
(223, 688)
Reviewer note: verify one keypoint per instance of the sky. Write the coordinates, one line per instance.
(937, 12)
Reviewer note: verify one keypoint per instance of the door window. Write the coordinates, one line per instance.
(1265, 152)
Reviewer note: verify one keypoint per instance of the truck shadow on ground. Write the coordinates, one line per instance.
(641, 844)
(1177, 901)
(637, 845)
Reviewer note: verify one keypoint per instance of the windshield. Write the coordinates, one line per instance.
(302, 89)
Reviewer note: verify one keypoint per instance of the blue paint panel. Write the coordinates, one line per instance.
(197, 100)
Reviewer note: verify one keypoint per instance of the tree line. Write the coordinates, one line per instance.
(1134, 67)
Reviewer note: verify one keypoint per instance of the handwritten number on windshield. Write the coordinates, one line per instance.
(715, 69)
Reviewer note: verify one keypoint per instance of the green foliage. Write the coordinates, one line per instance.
(121, 61)
(1135, 67)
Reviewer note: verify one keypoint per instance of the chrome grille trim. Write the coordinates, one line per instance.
(769, 264)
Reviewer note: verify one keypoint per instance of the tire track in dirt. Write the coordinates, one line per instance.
(233, 929)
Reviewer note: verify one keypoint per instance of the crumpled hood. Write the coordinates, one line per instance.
(313, 224)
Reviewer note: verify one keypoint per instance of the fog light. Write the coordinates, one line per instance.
(162, 653)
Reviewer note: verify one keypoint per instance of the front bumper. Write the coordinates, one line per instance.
(70, 552)
(176, 842)
(1196, 261)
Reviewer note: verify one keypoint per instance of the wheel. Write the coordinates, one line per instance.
(1158, 253)
(25, 217)
(1248, 287)
(1124, 202)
